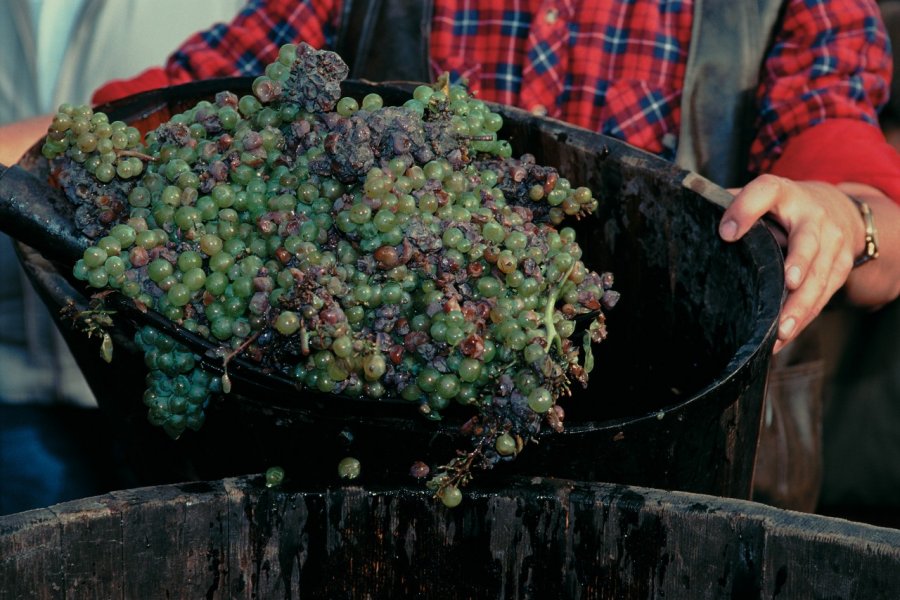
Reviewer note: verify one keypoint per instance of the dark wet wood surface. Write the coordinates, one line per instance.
(234, 538)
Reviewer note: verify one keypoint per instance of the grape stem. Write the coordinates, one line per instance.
(552, 333)
(240, 348)
(460, 468)
(234, 353)
(138, 154)
(304, 339)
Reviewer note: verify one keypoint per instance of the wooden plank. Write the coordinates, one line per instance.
(267, 541)
(806, 556)
(626, 543)
(174, 541)
(90, 548)
(30, 562)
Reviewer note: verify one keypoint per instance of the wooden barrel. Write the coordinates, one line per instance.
(544, 539)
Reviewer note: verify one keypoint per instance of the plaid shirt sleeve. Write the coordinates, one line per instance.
(242, 47)
(830, 60)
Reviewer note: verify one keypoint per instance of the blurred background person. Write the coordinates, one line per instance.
(55, 51)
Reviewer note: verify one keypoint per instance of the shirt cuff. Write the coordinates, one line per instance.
(842, 151)
(151, 79)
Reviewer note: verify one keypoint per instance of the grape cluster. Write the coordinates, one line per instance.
(362, 249)
(177, 391)
(551, 197)
(97, 163)
(302, 77)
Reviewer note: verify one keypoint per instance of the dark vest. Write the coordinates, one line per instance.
(389, 40)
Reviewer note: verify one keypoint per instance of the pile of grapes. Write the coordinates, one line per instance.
(360, 249)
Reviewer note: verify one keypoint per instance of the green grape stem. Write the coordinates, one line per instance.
(550, 308)
(137, 154)
(240, 349)
(304, 339)
(233, 354)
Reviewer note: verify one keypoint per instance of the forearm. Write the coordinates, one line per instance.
(16, 138)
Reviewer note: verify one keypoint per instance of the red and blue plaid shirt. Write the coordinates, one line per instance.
(615, 67)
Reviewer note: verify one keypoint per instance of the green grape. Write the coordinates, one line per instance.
(374, 366)
(469, 370)
(287, 323)
(115, 266)
(372, 102)
(347, 106)
(505, 444)
(349, 468)
(94, 256)
(540, 400)
(159, 269)
(274, 477)
(450, 496)
(427, 379)
(98, 277)
(447, 386)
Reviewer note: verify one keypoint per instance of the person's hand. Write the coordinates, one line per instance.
(824, 234)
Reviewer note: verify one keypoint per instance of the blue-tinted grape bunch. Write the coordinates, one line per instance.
(362, 249)
(177, 391)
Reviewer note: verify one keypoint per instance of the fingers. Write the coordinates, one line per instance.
(758, 198)
(806, 300)
(827, 271)
(819, 256)
(803, 249)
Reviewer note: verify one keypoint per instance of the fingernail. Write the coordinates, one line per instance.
(793, 276)
(728, 230)
(787, 327)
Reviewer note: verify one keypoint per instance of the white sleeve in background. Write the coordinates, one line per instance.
(75, 46)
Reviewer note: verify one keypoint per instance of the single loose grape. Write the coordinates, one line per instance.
(374, 366)
(489, 287)
(126, 234)
(540, 400)
(179, 294)
(447, 386)
(115, 266)
(450, 496)
(274, 476)
(469, 369)
(505, 444)
(349, 468)
(98, 277)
